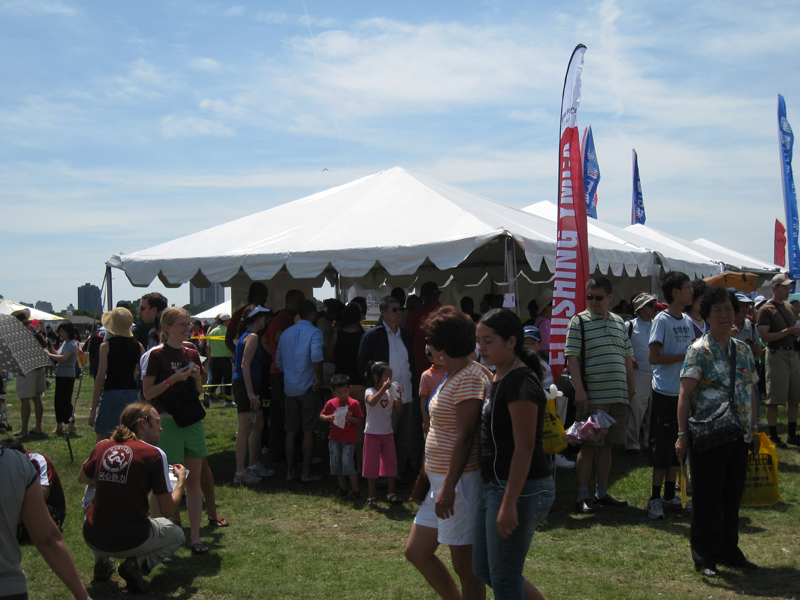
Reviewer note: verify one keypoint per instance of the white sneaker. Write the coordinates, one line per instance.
(260, 470)
(229, 404)
(675, 504)
(246, 477)
(655, 510)
(563, 463)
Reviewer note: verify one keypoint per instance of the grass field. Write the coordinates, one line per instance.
(294, 540)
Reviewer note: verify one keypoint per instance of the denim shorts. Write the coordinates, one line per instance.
(343, 457)
(112, 403)
(498, 561)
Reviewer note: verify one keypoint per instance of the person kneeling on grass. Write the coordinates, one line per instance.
(342, 438)
(124, 469)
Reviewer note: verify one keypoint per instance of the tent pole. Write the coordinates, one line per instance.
(511, 271)
(338, 288)
(108, 283)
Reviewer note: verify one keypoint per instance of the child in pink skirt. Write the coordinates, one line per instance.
(379, 456)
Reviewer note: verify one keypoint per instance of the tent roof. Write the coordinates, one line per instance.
(7, 307)
(673, 257)
(211, 313)
(395, 218)
(727, 259)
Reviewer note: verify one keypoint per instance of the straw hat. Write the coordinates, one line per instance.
(22, 311)
(118, 322)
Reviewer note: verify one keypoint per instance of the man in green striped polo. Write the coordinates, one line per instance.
(605, 382)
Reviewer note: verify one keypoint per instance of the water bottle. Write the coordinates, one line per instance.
(252, 417)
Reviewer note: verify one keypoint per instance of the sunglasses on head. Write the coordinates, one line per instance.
(590, 297)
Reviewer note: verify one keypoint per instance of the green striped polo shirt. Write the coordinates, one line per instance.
(607, 347)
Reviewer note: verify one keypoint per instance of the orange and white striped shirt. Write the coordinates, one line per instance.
(467, 384)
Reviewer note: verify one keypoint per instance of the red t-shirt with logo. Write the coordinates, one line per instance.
(124, 475)
(348, 432)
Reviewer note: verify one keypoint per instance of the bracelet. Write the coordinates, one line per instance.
(683, 433)
(167, 382)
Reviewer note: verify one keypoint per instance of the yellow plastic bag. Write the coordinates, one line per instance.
(761, 479)
(552, 430)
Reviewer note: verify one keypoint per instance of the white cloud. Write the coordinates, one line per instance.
(235, 11)
(144, 80)
(223, 108)
(204, 64)
(190, 126)
(37, 7)
(275, 18)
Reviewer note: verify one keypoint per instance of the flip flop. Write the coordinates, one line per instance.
(394, 499)
(218, 522)
(199, 548)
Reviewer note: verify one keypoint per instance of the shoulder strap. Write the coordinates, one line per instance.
(630, 328)
(583, 354)
(733, 368)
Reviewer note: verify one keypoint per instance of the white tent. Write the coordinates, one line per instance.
(7, 307)
(392, 224)
(727, 259)
(672, 257)
(225, 307)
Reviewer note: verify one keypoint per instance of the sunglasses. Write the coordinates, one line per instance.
(589, 297)
(394, 309)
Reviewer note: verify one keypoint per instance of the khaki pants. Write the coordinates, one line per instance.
(165, 539)
(638, 409)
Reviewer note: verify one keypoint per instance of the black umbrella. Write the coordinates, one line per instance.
(20, 353)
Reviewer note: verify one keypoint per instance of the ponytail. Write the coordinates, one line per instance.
(129, 421)
(375, 369)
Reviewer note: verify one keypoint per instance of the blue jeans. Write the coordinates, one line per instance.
(343, 457)
(498, 561)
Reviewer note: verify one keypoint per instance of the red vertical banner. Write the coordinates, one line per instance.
(572, 244)
(780, 244)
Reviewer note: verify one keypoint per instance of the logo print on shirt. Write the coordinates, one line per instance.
(384, 402)
(115, 464)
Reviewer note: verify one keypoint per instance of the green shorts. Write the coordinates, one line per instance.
(179, 442)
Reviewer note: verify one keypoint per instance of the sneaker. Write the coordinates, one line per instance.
(655, 509)
(104, 570)
(563, 463)
(206, 402)
(131, 572)
(260, 470)
(229, 404)
(609, 500)
(776, 441)
(246, 477)
(794, 440)
(675, 504)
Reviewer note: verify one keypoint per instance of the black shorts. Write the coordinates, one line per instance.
(240, 395)
(663, 431)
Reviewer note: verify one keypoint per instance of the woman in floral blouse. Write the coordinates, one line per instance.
(717, 473)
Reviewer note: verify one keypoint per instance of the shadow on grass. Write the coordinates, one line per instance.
(772, 582)
(174, 579)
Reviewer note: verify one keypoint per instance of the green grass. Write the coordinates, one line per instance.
(296, 541)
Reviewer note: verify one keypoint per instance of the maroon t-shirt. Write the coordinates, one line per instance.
(124, 474)
(164, 361)
(48, 476)
(282, 321)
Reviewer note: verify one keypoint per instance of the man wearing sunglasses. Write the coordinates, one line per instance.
(604, 382)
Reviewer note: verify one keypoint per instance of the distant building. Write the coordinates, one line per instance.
(44, 306)
(211, 296)
(28, 304)
(89, 298)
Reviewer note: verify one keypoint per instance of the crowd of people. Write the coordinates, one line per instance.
(432, 397)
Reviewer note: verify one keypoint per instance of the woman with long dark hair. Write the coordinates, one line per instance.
(518, 487)
(66, 358)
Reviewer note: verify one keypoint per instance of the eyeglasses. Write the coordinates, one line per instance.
(589, 297)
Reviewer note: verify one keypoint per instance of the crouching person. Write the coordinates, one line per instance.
(124, 470)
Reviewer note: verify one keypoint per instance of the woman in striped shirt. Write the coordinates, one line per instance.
(448, 514)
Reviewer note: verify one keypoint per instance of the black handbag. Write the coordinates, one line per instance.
(720, 424)
(183, 403)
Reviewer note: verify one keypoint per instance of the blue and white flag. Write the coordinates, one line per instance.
(591, 173)
(789, 198)
(637, 206)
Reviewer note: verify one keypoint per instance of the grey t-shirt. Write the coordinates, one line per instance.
(67, 368)
(17, 474)
(675, 336)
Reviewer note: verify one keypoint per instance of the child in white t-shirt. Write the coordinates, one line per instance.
(379, 458)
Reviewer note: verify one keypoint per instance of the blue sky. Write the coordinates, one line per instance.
(125, 125)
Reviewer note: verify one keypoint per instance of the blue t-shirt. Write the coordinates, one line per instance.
(675, 335)
(255, 363)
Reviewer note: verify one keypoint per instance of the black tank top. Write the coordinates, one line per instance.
(123, 358)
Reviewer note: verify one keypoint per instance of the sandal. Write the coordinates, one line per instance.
(218, 522)
(199, 548)
(372, 502)
(394, 499)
